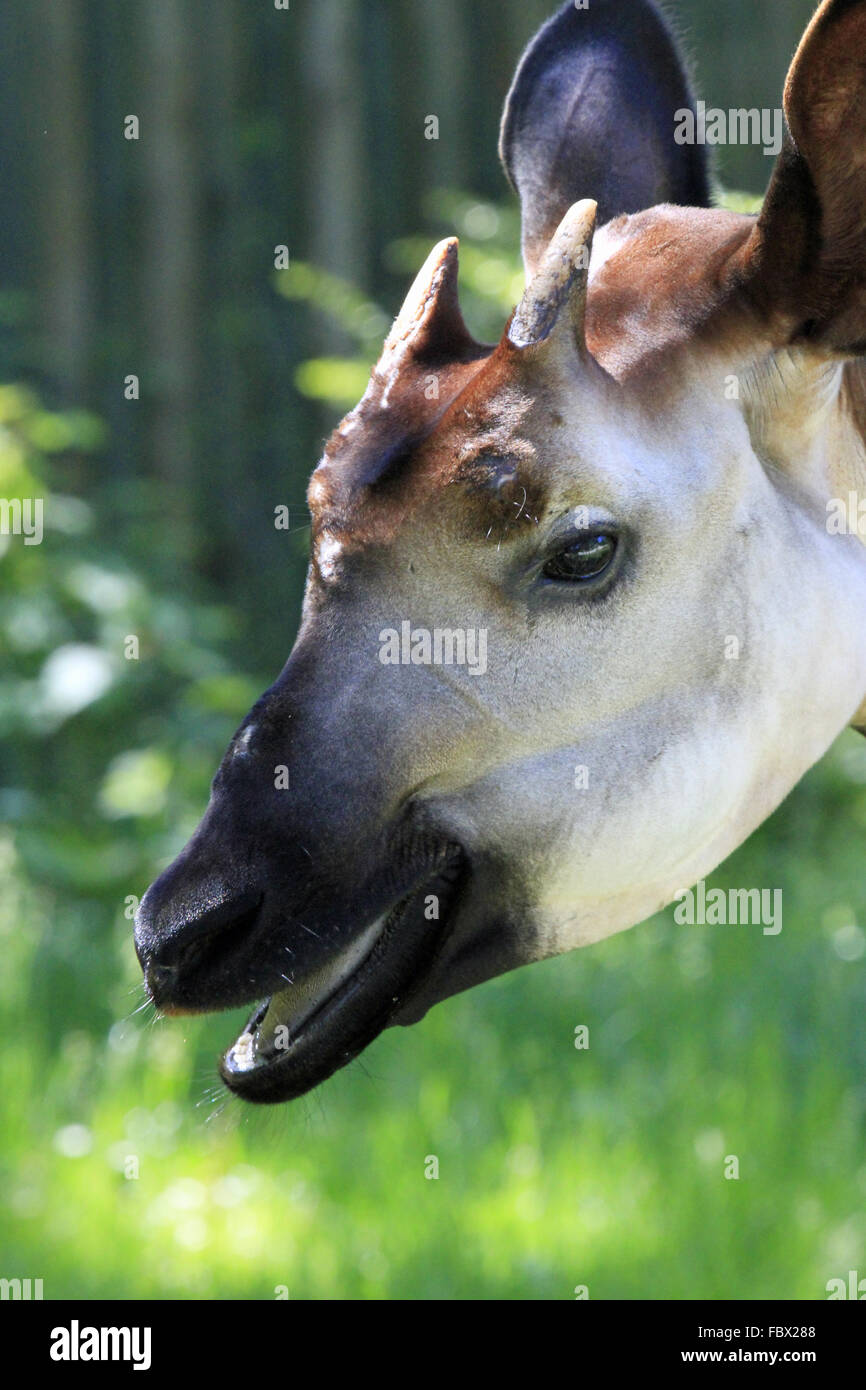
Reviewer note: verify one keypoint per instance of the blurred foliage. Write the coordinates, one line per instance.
(114, 693)
(125, 1171)
(491, 283)
(738, 202)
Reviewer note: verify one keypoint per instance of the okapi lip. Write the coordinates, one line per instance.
(402, 947)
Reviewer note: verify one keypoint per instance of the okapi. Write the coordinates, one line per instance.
(639, 471)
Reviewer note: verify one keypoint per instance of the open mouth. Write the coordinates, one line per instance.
(302, 1034)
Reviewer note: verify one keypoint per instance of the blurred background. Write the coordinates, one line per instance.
(164, 387)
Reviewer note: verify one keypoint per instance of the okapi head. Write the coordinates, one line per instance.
(575, 620)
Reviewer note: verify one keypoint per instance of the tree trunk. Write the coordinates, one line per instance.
(63, 129)
(171, 169)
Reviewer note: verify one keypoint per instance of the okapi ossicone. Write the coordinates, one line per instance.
(639, 472)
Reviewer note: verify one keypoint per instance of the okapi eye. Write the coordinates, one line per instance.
(585, 558)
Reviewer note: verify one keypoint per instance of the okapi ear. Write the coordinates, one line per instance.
(591, 111)
(805, 263)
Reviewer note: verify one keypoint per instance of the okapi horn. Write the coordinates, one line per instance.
(430, 323)
(559, 282)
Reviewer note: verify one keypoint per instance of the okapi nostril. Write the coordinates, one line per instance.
(161, 974)
(206, 923)
(198, 938)
(160, 981)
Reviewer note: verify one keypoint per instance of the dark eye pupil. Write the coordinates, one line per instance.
(583, 559)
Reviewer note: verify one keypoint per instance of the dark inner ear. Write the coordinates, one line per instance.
(591, 114)
(806, 261)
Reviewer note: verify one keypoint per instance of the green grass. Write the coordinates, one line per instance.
(557, 1167)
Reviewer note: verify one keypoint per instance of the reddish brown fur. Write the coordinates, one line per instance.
(676, 285)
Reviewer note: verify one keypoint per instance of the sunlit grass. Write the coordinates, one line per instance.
(558, 1168)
